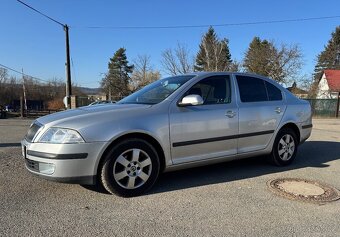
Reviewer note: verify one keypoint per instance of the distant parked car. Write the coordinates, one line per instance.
(9, 108)
(173, 123)
(3, 113)
(99, 102)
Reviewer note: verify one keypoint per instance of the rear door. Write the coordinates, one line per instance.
(261, 107)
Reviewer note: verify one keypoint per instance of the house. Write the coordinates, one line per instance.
(329, 88)
(329, 85)
(87, 96)
(297, 91)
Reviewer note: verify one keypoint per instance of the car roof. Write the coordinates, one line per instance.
(205, 73)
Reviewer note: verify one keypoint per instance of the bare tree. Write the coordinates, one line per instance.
(3, 75)
(306, 82)
(177, 61)
(143, 73)
(3, 81)
(235, 66)
(51, 92)
(286, 62)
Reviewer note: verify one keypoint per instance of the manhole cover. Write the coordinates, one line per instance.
(304, 190)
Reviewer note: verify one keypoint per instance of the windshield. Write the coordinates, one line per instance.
(156, 91)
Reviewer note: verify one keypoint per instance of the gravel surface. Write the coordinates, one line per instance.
(229, 199)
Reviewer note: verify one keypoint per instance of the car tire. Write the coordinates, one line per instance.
(130, 168)
(284, 148)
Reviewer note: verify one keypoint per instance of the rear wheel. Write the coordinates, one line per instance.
(130, 168)
(284, 147)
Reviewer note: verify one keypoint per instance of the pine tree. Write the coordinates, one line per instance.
(257, 57)
(214, 54)
(329, 58)
(116, 82)
(280, 63)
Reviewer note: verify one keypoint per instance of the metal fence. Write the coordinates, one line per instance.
(323, 107)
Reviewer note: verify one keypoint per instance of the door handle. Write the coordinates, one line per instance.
(230, 114)
(278, 110)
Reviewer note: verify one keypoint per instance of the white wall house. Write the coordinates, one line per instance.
(329, 85)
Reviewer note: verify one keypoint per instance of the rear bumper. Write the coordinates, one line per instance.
(68, 163)
(305, 132)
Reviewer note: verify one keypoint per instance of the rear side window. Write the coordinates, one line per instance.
(251, 89)
(274, 93)
(254, 89)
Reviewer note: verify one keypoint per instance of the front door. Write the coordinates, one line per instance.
(205, 131)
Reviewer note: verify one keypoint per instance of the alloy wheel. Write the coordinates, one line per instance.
(132, 168)
(286, 147)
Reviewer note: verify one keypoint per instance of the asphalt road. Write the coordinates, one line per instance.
(229, 199)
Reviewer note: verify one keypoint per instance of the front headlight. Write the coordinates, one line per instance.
(61, 135)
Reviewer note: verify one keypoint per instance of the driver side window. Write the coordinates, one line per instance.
(213, 90)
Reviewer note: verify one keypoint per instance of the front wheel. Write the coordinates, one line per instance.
(130, 168)
(284, 147)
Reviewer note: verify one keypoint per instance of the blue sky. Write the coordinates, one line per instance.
(37, 45)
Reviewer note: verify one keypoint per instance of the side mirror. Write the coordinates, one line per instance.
(191, 100)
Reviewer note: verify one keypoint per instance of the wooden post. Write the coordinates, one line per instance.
(337, 106)
(21, 106)
(68, 70)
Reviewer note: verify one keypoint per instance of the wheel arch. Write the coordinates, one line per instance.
(146, 137)
(294, 127)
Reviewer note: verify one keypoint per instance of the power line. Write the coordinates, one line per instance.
(187, 26)
(68, 67)
(11, 69)
(35, 78)
(208, 25)
(32, 8)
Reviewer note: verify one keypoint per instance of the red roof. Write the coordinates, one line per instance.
(333, 79)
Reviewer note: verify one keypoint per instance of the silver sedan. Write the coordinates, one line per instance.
(173, 123)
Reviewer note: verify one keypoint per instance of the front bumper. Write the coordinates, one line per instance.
(71, 163)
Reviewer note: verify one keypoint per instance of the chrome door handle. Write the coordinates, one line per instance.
(278, 110)
(230, 114)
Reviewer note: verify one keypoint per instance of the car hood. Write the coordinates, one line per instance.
(82, 116)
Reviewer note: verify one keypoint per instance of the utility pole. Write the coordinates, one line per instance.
(68, 69)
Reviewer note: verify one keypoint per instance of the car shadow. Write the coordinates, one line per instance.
(310, 154)
(98, 187)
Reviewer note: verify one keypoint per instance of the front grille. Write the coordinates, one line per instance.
(32, 165)
(32, 131)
